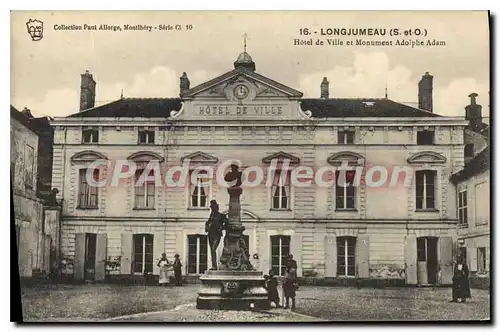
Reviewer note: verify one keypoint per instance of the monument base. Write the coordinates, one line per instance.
(232, 290)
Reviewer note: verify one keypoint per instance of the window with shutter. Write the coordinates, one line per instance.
(88, 193)
(280, 249)
(144, 190)
(197, 254)
(346, 256)
(425, 191)
(281, 191)
(345, 191)
(200, 190)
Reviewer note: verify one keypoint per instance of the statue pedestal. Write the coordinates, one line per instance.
(235, 285)
(232, 290)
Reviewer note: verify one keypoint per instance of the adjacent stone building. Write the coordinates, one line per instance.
(37, 232)
(473, 194)
(406, 231)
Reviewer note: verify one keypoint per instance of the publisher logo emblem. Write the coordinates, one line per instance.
(35, 29)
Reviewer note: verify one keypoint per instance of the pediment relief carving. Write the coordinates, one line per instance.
(427, 157)
(352, 158)
(281, 155)
(224, 85)
(88, 155)
(200, 157)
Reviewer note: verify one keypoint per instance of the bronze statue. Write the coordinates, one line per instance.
(233, 178)
(214, 226)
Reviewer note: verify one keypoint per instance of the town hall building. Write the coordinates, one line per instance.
(405, 232)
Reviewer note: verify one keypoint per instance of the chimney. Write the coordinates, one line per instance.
(184, 83)
(325, 88)
(473, 113)
(425, 92)
(87, 91)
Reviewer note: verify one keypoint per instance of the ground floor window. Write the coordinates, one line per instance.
(481, 259)
(346, 261)
(280, 249)
(197, 253)
(143, 253)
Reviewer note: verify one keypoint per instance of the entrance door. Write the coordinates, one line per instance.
(90, 253)
(427, 260)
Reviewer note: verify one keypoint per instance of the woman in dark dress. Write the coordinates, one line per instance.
(272, 288)
(461, 285)
(177, 270)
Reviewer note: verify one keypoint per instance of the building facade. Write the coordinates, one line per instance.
(473, 198)
(36, 231)
(406, 231)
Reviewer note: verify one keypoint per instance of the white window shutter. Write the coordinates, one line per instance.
(331, 256)
(79, 261)
(411, 260)
(264, 254)
(158, 249)
(487, 267)
(363, 256)
(127, 247)
(100, 257)
(472, 258)
(446, 259)
(296, 251)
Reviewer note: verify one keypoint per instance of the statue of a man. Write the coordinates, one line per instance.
(214, 226)
(233, 178)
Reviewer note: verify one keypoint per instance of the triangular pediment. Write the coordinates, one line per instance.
(88, 155)
(427, 157)
(279, 156)
(352, 158)
(200, 157)
(255, 86)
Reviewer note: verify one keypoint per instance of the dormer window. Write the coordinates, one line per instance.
(90, 135)
(146, 136)
(345, 137)
(425, 137)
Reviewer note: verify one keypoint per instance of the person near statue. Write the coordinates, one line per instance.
(177, 270)
(214, 226)
(164, 266)
(290, 286)
(272, 288)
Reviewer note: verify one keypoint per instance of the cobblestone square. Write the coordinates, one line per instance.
(83, 303)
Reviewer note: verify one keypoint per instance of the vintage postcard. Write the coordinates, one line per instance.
(251, 166)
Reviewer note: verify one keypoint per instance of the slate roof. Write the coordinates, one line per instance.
(320, 108)
(480, 163)
(133, 107)
(354, 107)
(37, 125)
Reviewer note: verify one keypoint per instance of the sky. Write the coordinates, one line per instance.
(45, 74)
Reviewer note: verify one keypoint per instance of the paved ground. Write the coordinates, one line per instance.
(105, 302)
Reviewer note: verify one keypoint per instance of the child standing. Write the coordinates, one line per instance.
(272, 288)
